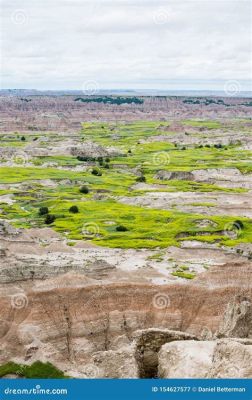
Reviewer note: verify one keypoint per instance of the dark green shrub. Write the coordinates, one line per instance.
(49, 219)
(121, 228)
(111, 100)
(238, 224)
(23, 138)
(85, 158)
(84, 190)
(74, 209)
(107, 159)
(106, 166)
(141, 178)
(43, 210)
(96, 172)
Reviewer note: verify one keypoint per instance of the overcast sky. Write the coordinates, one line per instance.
(180, 44)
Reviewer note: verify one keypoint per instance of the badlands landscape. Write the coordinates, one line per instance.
(125, 236)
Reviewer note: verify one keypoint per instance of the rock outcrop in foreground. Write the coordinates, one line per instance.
(227, 358)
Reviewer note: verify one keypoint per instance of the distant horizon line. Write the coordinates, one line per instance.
(122, 89)
(234, 93)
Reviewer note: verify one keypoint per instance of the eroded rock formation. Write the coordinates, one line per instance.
(229, 358)
(237, 321)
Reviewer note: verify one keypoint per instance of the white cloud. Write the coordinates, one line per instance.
(124, 43)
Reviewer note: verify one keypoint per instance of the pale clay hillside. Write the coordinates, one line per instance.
(125, 237)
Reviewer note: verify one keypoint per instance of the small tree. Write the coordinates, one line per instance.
(84, 190)
(141, 178)
(23, 138)
(121, 228)
(49, 219)
(238, 224)
(100, 160)
(74, 209)
(43, 210)
(96, 172)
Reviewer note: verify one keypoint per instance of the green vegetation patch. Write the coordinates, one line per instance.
(203, 123)
(185, 275)
(83, 202)
(143, 228)
(111, 100)
(36, 370)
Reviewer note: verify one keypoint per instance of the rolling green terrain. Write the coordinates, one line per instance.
(100, 214)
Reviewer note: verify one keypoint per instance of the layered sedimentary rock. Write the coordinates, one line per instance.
(69, 324)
